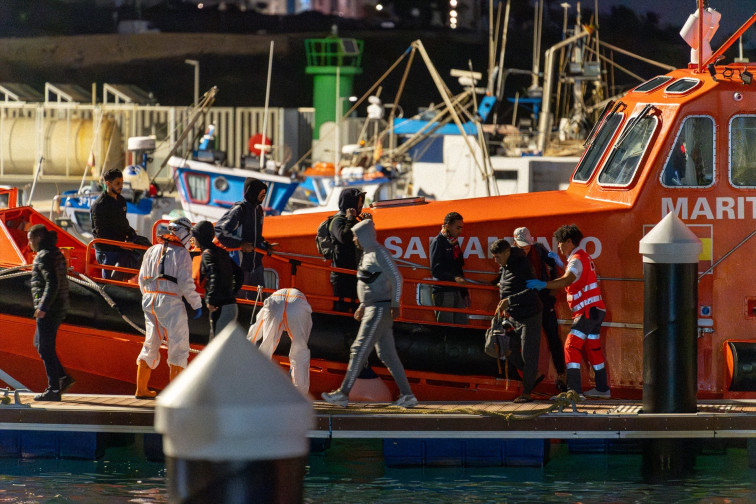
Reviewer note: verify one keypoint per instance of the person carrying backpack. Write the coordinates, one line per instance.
(345, 253)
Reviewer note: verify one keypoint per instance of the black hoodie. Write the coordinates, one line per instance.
(49, 283)
(345, 254)
(244, 223)
(221, 277)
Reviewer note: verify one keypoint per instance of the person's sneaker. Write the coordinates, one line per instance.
(48, 395)
(337, 398)
(406, 401)
(66, 383)
(524, 398)
(597, 394)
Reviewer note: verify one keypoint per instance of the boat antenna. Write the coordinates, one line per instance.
(265, 113)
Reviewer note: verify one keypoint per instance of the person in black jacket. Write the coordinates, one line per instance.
(345, 253)
(49, 288)
(221, 277)
(242, 227)
(446, 265)
(108, 214)
(522, 307)
(546, 266)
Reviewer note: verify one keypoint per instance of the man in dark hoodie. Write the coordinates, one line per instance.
(241, 227)
(522, 307)
(220, 277)
(49, 287)
(345, 253)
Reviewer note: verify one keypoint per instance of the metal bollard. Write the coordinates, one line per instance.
(234, 427)
(670, 377)
(670, 270)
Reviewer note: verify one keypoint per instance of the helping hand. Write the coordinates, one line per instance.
(558, 261)
(535, 284)
(197, 313)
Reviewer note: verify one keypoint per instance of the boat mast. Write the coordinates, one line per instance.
(263, 148)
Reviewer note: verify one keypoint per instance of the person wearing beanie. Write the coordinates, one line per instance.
(345, 253)
(220, 276)
(165, 280)
(379, 288)
(49, 287)
(241, 227)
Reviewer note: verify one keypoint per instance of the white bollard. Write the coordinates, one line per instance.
(234, 427)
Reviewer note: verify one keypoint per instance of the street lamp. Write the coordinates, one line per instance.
(195, 64)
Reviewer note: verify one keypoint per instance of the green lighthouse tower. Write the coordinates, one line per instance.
(333, 62)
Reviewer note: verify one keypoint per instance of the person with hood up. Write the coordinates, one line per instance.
(241, 227)
(220, 276)
(345, 253)
(286, 310)
(379, 288)
(49, 288)
(164, 279)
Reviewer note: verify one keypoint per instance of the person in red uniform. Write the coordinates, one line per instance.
(588, 311)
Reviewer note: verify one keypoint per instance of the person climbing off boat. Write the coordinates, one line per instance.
(165, 280)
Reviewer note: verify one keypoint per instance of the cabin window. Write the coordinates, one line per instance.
(628, 153)
(592, 156)
(652, 84)
(691, 160)
(682, 86)
(197, 187)
(743, 151)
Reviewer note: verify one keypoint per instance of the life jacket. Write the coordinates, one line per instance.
(584, 293)
(168, 240)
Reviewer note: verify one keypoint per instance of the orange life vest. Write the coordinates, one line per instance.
(584, 292)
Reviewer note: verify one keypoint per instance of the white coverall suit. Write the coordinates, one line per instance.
(164, 312)
(286, 309)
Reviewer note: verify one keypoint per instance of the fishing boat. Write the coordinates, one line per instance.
(681, 143)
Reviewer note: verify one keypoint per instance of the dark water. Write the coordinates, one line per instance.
(354, 472)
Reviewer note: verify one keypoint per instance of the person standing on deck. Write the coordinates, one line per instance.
(164, 279)
(379, 288)
(108, 215)
(220, 276)
(345, 253)
(446, 265)
(522, 307)
(242, 227)
(588, 311)
(49, 288)
(546, 267)
(286, 310)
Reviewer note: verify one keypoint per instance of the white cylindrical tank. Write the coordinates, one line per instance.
(67, 145)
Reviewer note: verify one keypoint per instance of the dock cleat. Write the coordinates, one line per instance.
(597, 394)
(337, 398)
(406, 401)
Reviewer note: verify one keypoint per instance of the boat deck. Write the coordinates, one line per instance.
(597, 419)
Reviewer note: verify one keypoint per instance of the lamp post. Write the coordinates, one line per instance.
(196, 66)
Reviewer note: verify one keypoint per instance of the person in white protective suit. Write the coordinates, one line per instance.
(164, 279)
(286, 310)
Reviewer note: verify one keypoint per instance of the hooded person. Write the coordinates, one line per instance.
(49, 287)
(286, 310)
(219, 275)
(345, 253)
(379, 288)
(164, 279)
(241, 227)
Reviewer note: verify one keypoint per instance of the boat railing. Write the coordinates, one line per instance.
(92, 267)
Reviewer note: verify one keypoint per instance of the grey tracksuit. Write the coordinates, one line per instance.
(379, 287)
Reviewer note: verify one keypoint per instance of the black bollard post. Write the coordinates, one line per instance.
(670, 382)
(234, 428)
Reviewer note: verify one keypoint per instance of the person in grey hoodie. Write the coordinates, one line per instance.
(379, 288)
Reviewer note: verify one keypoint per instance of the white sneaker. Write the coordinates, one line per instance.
(597, 394)
(337, 398)
(406, 401)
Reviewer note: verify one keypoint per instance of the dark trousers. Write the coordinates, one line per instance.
(44, 342)
(345, 290)
(551, 330)
(529, 330)
(108, 258)
(253, 278)
(449, 299)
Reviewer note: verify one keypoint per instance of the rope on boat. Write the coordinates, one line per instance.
(88, 282)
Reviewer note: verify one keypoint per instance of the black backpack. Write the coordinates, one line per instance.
(324, 240)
